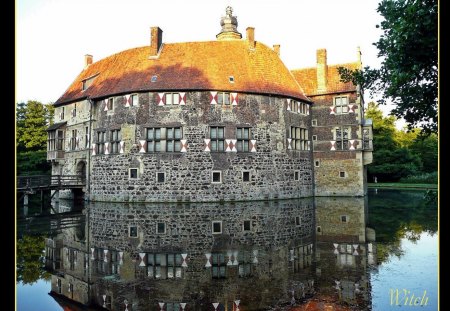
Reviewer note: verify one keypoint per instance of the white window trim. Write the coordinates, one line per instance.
(248, 176)
(129, 232)
(137, 96)
(347, 218)
(316, 163)
(314, 138)
(345, 174)
(216, 222)
(159, 182)
(165, 227)
(216, 182)
(314, 122)
(348, 101)
(129, 173)
(298, 173)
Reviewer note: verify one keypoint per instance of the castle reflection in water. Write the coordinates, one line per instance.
(212, 256)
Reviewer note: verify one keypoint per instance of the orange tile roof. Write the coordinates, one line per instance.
(189, 66)
(307, 78)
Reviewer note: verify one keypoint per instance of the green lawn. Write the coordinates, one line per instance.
(402, 185)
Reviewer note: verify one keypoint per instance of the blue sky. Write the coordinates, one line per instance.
(52, 36)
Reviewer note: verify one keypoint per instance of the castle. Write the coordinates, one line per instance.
(221, 120)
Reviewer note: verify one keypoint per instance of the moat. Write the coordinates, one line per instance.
(377, 252)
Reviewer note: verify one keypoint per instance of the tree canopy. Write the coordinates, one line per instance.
(398, 153)
(408, 76)
(32, 120)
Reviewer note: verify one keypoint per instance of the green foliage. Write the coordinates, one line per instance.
(399, 154)
(30, 266)
(424, 178)
(33, 163)
(32, 120)
(408, 76)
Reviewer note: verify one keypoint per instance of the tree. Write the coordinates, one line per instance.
(30, 267)
(408, 76)
(32, 120)
(391, 161)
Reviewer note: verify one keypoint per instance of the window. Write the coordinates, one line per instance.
(342, 174)
(218, 266)
(223, 98)
(216, 135)
(344, 218)
(164, 139)
(56, 140)
(216, 227)
(133, 173)
(160, 177)
(317, 163)
(86, 139)
(247, 225)
(298, 221)
(74, 111)
(246, 176)
(319, 229)
(342, 137)
(341, 104)
(61, 114)
(314, 122)
(216, 177)
(314, 137)
(299, 138)
(87, 83)
(297, 175)
(366, 139)
(73, 140)
(172, 98)
(132, 232)
(160, 228)
(110, 104)
(243, 135)
(58, 284)
(164, 266)
(299, 107)
(101, 142)
(154, 79)
(115, 138)
(231, 79)
(134, 100)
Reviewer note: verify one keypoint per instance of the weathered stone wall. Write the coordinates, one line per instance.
(338, 172)
(188, 174)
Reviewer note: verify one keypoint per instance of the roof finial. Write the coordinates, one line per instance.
(229, 26)
(229, 11)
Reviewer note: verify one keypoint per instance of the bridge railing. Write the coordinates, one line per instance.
(46, 181)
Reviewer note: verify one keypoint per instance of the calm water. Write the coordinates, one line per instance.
(373, 253)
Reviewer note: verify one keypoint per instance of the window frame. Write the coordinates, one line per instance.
(163, 140)
(243, 141)
(220, 177)
(340, 107)
(172, 97)
(115, 143)
(299, 143)
(224, 99)
(129, 173)
(243, 176)
(100, 144)
(133, 102)
(219, 222)
(215, 140)
(158, 174)
(342, 136)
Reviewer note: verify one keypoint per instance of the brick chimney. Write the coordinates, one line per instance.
(251, 37)
(155, 40)
(322, 70)
(276, 48)
(88, 59)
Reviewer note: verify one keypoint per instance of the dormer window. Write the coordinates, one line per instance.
(87, 83)
(231, 79)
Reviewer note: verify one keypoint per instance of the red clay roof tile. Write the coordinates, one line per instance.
(188, 66)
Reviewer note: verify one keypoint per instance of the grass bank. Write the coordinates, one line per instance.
(398, 185)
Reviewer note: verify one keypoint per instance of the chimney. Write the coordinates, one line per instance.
(322, 70)
(88, 59)
(251, 37)
(358, 57)
(276, 48)
(155, 40)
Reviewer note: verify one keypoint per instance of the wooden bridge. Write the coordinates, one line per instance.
(31, 184)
